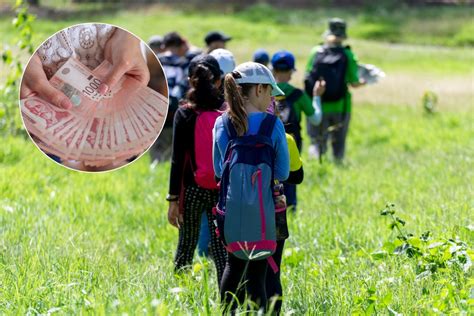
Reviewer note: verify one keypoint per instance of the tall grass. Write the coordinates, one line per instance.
(100, 243)
(73, 243)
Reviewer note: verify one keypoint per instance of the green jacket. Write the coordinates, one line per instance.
(303, 104)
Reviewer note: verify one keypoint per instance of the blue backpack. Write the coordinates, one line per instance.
(245, 213)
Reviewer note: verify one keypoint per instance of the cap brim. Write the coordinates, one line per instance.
(276, 90)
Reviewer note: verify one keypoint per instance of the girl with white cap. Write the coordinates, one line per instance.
(248, 92)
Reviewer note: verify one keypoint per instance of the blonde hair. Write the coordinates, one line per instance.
(234, 95)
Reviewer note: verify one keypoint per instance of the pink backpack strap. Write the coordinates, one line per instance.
(272, 264)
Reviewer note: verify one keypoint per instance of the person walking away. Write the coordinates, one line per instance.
(274, 288)
(336, 64)
(291, 106)
(192, 187)
(226, 64)
(250, 151)
(174, 63)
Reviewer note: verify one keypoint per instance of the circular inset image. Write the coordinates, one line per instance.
(93, 97)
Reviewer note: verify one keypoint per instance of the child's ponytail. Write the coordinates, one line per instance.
(234, 97)
(203, 94)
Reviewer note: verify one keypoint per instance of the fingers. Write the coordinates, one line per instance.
(175, 218)
(113, 77)
(144, 76)
(46, 91)
(35, 81)
(172, 220)
(320, 83)
(140, 72)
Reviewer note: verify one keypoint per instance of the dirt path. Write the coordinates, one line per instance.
(454, 92)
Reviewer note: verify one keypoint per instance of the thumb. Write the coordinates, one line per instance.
(53, 95)
(115, 74)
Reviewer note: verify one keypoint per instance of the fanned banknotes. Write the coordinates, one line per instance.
(98, 129)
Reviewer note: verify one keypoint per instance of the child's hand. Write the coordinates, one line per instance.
(319, 88)
(174, 216)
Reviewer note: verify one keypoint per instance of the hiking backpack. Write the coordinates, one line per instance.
(286, 110)
(330, 64)
(245, 213)
(204, 169)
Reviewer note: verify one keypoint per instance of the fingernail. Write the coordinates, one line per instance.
(103, 88)
(66, 104)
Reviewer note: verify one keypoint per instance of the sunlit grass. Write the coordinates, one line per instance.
(101, 242)
(73, 243)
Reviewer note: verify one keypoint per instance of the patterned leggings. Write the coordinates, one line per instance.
(197, 200)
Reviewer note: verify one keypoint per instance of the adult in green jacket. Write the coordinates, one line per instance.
(336, 113)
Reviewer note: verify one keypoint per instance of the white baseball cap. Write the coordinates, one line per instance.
(225, 59)
(251, 72)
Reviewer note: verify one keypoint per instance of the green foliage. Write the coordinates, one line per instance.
(101, 244)
(429, 102)
(73, 243)
(446, 260)
(465, 37)
(10, 122)
(390, 22)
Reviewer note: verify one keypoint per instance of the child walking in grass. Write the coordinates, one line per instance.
(291, 106)
(273, 282)
(336, 64)
(248, 90)
(226, 61)
(192, 188)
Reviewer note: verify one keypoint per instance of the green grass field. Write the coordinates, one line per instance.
(73, 243)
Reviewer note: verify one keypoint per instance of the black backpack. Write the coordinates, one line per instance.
(331, 65)
(284, 105)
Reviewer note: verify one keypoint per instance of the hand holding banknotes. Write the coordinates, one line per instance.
(85, 100)
(35, 81)
(123, 52)
(100, 129)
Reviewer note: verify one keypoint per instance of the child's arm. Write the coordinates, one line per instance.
(218, 132)
(180, 134)
(315, 115)
(358, 84)
(296, 165)
(312, 112)
(296, 177)
(282, 158)
(352, 74)
(318, 90)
